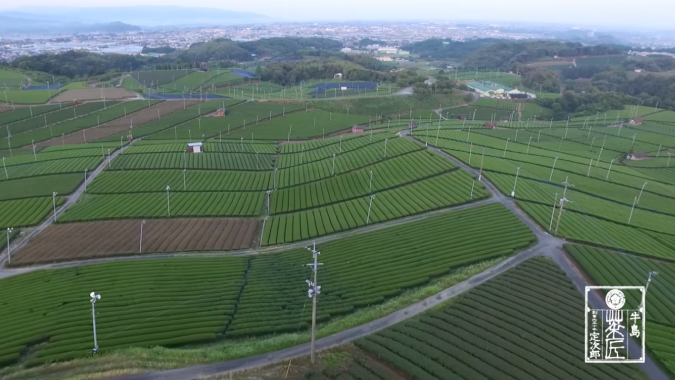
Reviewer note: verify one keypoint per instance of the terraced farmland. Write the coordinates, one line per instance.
(58, 115)
(155, 205)
(25, 212)
(77, 124)
(172, 120)
(154, 78)
(79, 241)
(485, 334)
(609, 268)
(242, 116)
(301, 125)
(224, 298)
(157, 110)
(496, 103)
(427, 195)
(223, 161)
(601, 211)
(140, 181)
(14, 115)
(389, 174)
(66, 165)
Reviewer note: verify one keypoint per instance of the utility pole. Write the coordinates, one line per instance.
(313, 292)
(480, 173)
(567, 184)
(641, 190)
(609, 170)
(369, 207)
(552, 169)
(140, 241)
(513, 192)
(649, 280)
(630, 216)
(550, 224)
(562, 206)
(93, 298)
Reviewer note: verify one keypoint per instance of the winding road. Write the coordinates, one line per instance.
(547, 245)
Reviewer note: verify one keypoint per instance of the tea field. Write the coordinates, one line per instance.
(485, 334)
(235, 297)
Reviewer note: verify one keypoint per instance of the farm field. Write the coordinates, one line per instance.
(186, 83)
(56, 116)
(142, 181)
(221, 78)
(25, 212)
(236, 310)
(203, 161)
(76, 241)
(244, 116)
(322, 167)
(601, 209)
(41, 186)
(389, 106)
(496, 103)
(300, 125)
(477, 113)
(171, 120)
(78, 124)
(485, 335)
(66, 165)
(11, 115)
(93, 94)
(156, 111)
(38, 96)
(12, 79)
(154, 78)
(661, 116)
(155, 205)
(609, 267)
(388, 174)
(423, 196)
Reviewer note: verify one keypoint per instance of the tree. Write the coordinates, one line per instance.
(258, 71)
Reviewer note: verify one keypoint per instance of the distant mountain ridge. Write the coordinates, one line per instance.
(25, 24)
(144, 16)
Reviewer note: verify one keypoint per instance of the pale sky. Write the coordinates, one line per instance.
(642, 14)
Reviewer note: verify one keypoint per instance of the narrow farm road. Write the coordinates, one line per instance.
(70, 200)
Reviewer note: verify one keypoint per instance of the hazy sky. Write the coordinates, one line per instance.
(644, 13)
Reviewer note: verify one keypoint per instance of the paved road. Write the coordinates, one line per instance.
(70, 200)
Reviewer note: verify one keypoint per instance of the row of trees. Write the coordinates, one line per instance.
(584, 104)
(290, 73)
(509, 55)
(77, 64)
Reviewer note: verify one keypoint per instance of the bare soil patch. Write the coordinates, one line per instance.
(76, 241)
(82, 94)
(5, 108)
(112, 127)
